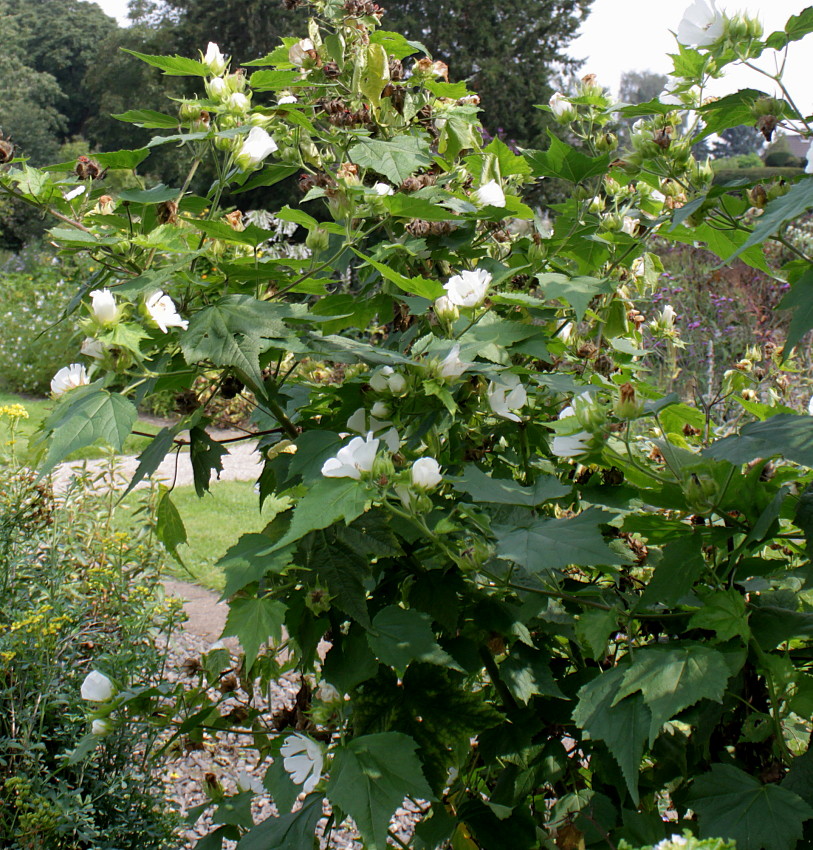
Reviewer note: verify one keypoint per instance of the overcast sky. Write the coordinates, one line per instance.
(633, 35)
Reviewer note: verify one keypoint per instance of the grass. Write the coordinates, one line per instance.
(213, 524)
(39, 409)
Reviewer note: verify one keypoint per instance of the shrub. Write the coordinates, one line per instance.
(75, 596)
(34, 343)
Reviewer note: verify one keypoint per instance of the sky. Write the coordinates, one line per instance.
(634, 35)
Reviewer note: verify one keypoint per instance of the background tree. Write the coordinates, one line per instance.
(640, 86)
(738, 141)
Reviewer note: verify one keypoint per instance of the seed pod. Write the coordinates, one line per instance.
(167, 212)
(87, 169)
(6, 151)
(331, 70)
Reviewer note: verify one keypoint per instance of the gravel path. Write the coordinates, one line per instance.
(242, 463)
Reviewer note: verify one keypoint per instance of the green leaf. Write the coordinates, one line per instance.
(544, 545)
(375, 73)
(369, 779)
(234, 331)
(623, 724)
(505, 491)
(430, 289)
(273, 80)
(731, 804)
(175, 66)
(235, 810)
(396, 159)
(254, 620)
(577, 292)
(84, 417)
(594, 628)
(797, 27)
(723, 612)
(778, 212)
(328, 501)
(150, 459)
(733, 110)
(400, 636)
(509, 163)
(206, 456)
(124, 160)
(563, 161)
(248, 561)
(680, 567)
(349, 661)
(169, 527)
(408, 206)
(270, 175)
(396, 44)
(673, 679)
(526, 673)
(799, 778)
(148, 118)
(789, 435)
(800, 301)
(156, 195)
(293, 831)
(343, 570)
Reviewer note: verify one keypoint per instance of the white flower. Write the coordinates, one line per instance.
(163, 312)
(247, 782)
(298, 51)
(810, 406)
(702, 24)
(97, 687)
(92, 348)
(351, 460)
(809, 166)
(561, 107)
(386, 379)
(104, 307)
(286, 98)
(217, 88)
(452, 366)
(362, 423)
(303, 761)
(256, 147)
(468, 289)
(566, 333)
(383, 189)
(671, 843)
(571, 445)
(425, 473)
(490, 194)
(238, 102)
(630, 225)
(380, 410)
(505, 395)
(100, 728)
(214, 59)
(445, 310)
(326, 692)
(75, 193)
(69, 378)
(668, 316)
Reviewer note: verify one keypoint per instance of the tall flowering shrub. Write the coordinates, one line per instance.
(520, 588)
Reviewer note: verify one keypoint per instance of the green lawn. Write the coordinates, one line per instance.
(39, 408)
(213, 524)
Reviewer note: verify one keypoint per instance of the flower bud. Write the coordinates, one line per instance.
(188, 111)
(563, 110)
(101, 728)
(214, 59)
(701, 492)
(317, 239)
(238, 103)
(217, 88)
(236, 82)
(607, 142)
(425, 473)
(445, 310)
(627, 406)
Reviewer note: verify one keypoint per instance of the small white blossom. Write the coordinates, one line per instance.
(380, 410)
(96, 687)
(363, 423)
(286, 98)
(256, 147)
(92, 348)
(452, 366)
(630, 225)
(163, 312)
(386, 379)
(809, 166)
(238, 102)
(702, 24)
(246, 782)
(671, 843)
(100, 728)
(468, 289)
(298, 51)
(303, 760)
(75, 193)
(103, 303)
(214, 59)
(561, 107)
(425, 473)
(69, 378)
(668, 316)
(351, 460)
(571, 445)
(505, 395)
(445, 310)
(490, 194)
(383, 189)
(217, 88)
